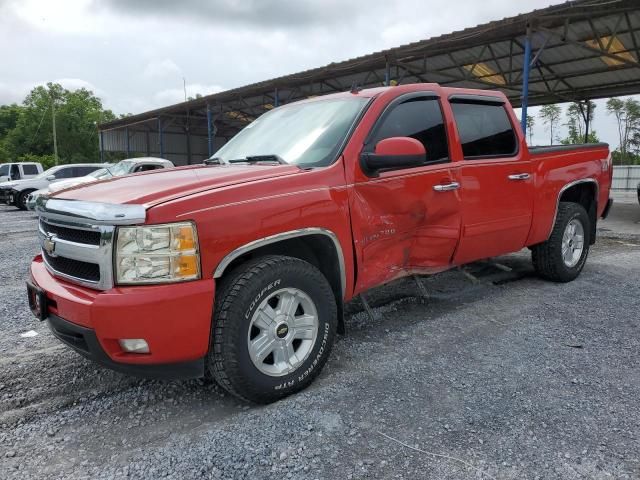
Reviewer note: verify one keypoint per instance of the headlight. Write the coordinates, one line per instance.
(157, 254)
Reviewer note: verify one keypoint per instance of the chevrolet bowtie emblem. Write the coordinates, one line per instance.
(49, 244)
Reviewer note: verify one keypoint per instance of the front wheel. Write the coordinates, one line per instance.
(21, 199)
(273, 328)
(562, 257)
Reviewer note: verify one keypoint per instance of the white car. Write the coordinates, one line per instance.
(16, 192)
(124, 167)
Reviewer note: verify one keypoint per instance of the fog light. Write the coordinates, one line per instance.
(134, 345)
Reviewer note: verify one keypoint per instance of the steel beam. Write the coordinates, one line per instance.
(525, 80)
(160, 139)
(209, 131)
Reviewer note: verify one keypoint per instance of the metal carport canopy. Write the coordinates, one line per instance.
(578, 50)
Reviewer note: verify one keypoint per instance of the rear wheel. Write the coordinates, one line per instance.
(273, 328)
(562, 257)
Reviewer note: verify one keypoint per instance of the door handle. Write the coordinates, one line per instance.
(519, 176)
(446, 187)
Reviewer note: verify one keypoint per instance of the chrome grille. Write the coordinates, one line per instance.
(89, 237)
(73, 268)
(76, 238)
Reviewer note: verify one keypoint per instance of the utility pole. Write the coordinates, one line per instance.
(53, 121)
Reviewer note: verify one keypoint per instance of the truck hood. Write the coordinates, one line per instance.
(159, 186)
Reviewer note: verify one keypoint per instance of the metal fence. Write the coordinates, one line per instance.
(625, 177)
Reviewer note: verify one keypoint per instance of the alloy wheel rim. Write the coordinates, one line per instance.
(282, 332)
(572, 243)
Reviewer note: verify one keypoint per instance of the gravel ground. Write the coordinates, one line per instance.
(508, 377)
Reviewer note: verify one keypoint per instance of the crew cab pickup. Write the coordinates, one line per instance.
(239, 268)
(19, 171)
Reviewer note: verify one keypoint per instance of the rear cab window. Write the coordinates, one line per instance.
(484, 128)
(30, 169)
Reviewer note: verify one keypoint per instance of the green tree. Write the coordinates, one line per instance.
(77, 115)
(550, 115)
(627, 114)
(531, 121)
(578, 113)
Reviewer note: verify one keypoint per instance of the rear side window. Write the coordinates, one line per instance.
(65, 172)
(146, 168)
(30, 169)
(419, 118)
(484, 129)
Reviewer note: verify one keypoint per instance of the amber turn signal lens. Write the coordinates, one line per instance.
(184, 238)
(186, 265)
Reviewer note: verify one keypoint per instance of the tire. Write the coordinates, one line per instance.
(243, 299)
(21, 200)
(547, 257)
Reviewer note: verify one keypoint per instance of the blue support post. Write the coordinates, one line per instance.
(101, 146)
(209, 131)
(526, 69)
(160, 139)
(126, 132)
(276, 102)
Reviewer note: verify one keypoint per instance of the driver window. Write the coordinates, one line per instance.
(15, 172)
(419, 118)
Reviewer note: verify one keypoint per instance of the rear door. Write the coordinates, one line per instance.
(401, 223)
(496, 179)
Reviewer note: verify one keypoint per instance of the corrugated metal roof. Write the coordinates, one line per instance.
(572, 43)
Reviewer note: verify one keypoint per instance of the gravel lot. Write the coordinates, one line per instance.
(509, 377)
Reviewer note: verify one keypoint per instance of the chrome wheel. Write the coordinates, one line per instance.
(282, 332)
(572, 243)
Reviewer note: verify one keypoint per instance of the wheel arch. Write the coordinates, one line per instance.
(316, 245)
(583, 192)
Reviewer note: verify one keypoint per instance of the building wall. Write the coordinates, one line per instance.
(146, 143)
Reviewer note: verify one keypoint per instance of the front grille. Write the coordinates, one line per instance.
(71, 234)
(74, 268)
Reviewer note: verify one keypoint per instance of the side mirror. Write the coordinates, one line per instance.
(393, 154)
(51, 178)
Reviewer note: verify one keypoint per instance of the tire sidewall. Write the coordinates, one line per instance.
(248, 301)
(580, 214)
(21, 201)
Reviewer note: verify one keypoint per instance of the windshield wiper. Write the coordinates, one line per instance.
(259, 159)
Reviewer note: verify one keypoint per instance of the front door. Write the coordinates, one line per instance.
(496, 181)
(401, 223)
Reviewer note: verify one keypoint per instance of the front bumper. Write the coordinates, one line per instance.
(6, 196)
(174, 319)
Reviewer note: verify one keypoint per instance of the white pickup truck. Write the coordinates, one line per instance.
(19, 171)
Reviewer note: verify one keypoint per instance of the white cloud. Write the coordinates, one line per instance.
(162, 68)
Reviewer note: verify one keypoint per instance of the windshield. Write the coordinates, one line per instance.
(306, 134)
(100, 173)
(121, 168)
(50, 171)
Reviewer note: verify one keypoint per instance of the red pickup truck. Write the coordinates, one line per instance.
(239, 268)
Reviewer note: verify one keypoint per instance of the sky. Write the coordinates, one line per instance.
(134, 54)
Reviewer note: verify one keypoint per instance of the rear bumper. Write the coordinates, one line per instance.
(174, 319)
(607, 208)
(85, 342)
